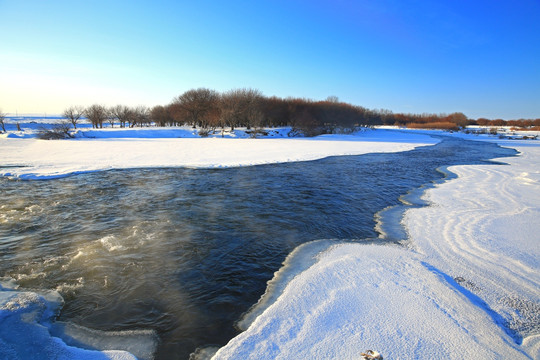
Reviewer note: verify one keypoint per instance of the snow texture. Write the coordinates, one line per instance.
(359, 297)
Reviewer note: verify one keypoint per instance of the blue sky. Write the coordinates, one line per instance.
(478, 57)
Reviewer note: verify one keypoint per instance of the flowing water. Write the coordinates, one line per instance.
(186, 251)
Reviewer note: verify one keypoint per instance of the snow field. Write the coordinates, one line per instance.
(41, 159)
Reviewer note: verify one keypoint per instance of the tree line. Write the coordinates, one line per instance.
(210, 110)
(98, 115)
(533, 124)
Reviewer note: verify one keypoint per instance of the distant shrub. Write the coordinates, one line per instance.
(204, 132)
(57, 132)
(479, 131)
(310, 131)
(295, 133)
(532, 128)
(442, 125)
(255, 133)
(343, 130)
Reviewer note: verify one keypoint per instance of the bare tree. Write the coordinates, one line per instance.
(242, 107)
(275, 111)
(2, 119)
(459, 119)
(196, 105)
(213, 119)
(73, 114)
(110, 117)
(140, 116)
(96, 114)
(171, 121)
(332, 99)
(161, 115)
(58, 131)
(231, 108)
(123, 114)
(115, 112)
(252, 107)
(130, 116)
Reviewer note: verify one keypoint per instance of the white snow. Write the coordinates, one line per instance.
(55, 158)
(383, 298)
(468, 272)
(484, 228)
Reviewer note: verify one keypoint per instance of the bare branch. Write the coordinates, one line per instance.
(2, 119)
(73, 114)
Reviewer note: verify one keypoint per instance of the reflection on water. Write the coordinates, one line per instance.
(186, 252)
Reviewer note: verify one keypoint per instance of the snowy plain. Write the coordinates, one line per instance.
(93, 150)
(468, 271)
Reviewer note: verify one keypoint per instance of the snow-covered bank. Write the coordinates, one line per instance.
(383, 298)
(483, 229)
(31, 158)
(466, 287)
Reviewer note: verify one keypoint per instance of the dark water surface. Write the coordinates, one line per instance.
(186, 252)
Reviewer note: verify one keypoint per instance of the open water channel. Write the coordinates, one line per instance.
(186, 252)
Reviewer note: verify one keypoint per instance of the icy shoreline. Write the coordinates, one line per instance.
(444, 295)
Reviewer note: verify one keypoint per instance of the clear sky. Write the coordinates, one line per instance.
(478, 57)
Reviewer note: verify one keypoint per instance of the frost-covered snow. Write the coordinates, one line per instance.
(32, 158)
(383, 298)
(484, 229)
